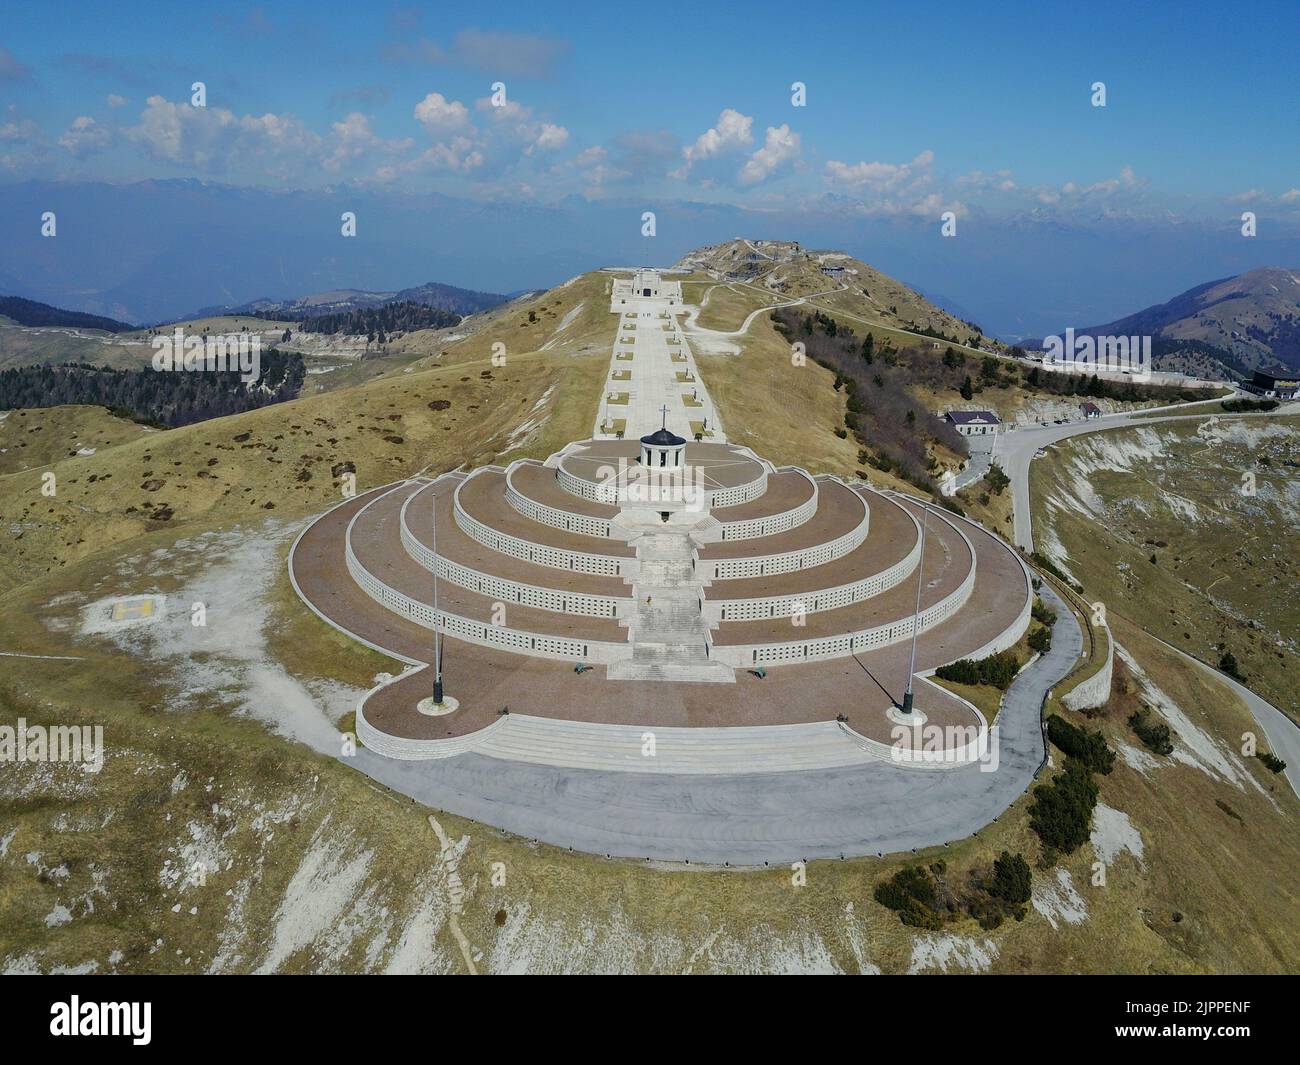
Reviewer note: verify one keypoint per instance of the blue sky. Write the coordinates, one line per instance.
(912, 110)
(1202, 98)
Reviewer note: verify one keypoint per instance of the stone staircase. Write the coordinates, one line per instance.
(668, 633)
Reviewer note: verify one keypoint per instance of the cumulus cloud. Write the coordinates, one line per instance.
(1100, 191)
(352, 141)
(114, 100)
(882, 177)
(22, 144)
(731, 133)
(549, 138)
(780, 146)
(85, 137)
(980, 181)
(217, 140)
(513, 126)
(437, 114)
(14, 129)
(894, 188)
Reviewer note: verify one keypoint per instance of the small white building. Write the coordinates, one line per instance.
(663, 449)
(973, 422)
(646, 284)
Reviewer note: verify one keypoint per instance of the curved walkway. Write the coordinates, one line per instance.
(748, 818)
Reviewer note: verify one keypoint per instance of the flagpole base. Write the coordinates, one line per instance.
(429, 708)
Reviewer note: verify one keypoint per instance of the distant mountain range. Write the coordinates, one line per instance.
(1247, 322)
(32, 313)
(462, 301)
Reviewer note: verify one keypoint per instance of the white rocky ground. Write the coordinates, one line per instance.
(1057, 900)
(1193, 745)
(227, 573)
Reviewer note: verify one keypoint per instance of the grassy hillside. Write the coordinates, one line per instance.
(30, 439)
(206, 843)
(1154, 523)
(222, 834)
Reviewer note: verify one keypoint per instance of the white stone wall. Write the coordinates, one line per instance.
(539, 645)
(788, 561)
(1095, 691)
(507, 591)
(541, 554)
(784, 606)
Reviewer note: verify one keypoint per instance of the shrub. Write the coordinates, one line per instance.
(912, 894)
(1043, 613)
(1043, 562)
(996, 479)
(1086, 746)
(1012, 879)
(1061, 812)
(1040, 640)
(1228, 663)
(997, 670)
(1271, 760)
(1154, 734)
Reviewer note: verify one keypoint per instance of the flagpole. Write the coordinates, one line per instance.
(437, 622)
(916, 617)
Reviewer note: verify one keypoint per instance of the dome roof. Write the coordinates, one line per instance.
(663, 438)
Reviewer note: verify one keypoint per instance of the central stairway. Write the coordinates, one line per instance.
(669, 636)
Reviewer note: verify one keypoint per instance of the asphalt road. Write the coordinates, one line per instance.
(1015, 455)
(1018, 448)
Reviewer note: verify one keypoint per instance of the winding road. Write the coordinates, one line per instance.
(1018, 452)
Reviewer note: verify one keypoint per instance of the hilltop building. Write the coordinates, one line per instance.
(1271, 386)
(973, 422)
(648, 285)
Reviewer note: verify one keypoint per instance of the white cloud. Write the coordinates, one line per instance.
(732, 133)
(352, 140)
(439, 115)
(881, 177)
(551, 137)
(780, 145)
(85, 137)
(14, 129)
(114, 100)
(894, 188)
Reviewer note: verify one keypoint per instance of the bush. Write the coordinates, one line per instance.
(996, 670)
(1043, 613)
(1154, 734)
(1271, 760)
(1228, 663)
(1236, 406)
(1088, 747)
(1012, 879)
(912, 894)
(1061, 812)
(996, 479)
(1040, 640)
